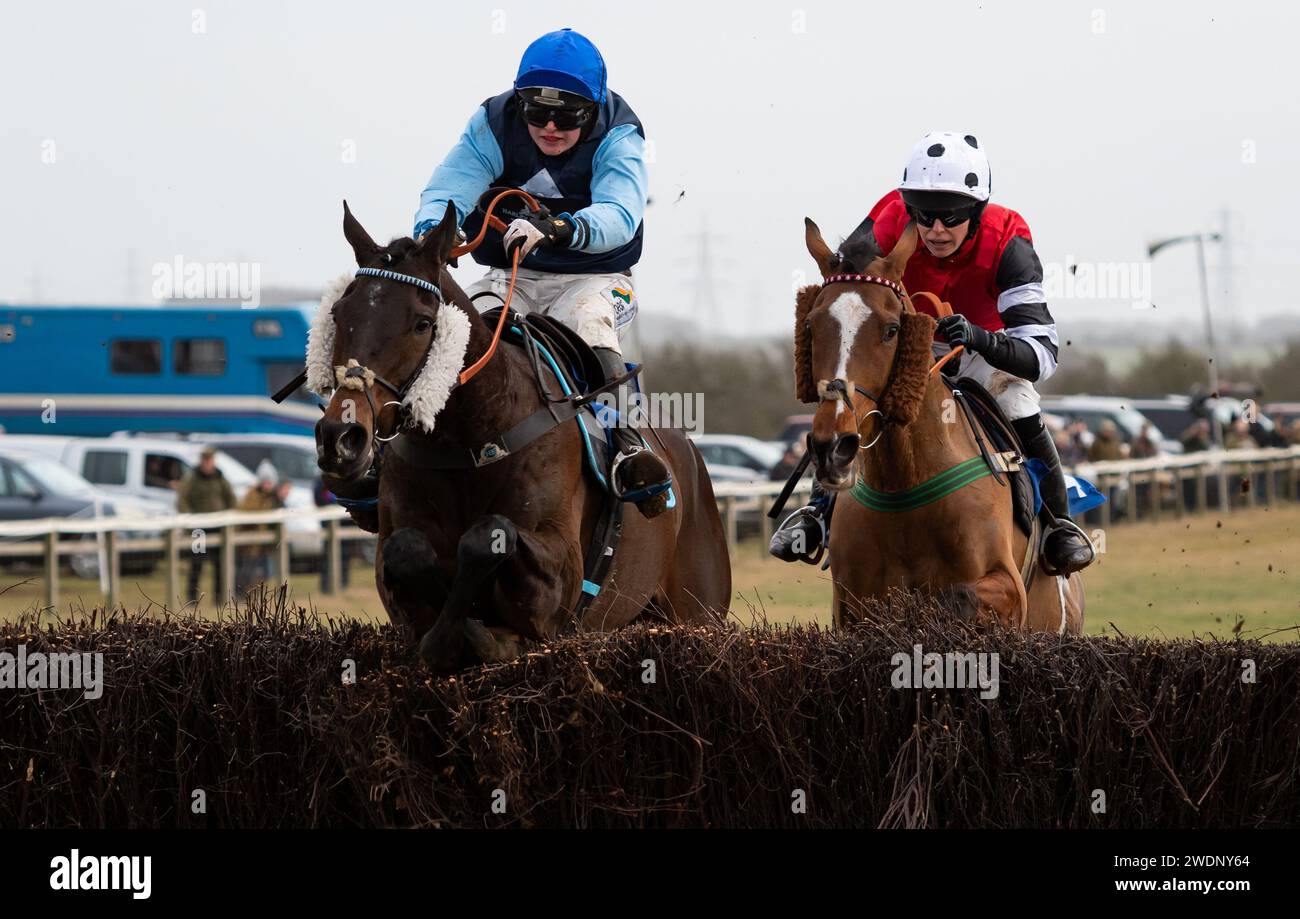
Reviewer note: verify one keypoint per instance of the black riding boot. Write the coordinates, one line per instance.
(802, 535)
(1066, 548)
(638, 475)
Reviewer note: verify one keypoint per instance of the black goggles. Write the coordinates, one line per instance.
(565, 119)
(949, 219)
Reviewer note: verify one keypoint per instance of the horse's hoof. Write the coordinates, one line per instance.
(441, 650)
(492, 645)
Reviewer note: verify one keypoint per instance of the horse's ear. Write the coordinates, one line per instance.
(896, 260)
(363, 247)
(436, 245)
(826, 259)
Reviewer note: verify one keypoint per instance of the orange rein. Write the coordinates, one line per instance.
(941, 308)
(492, 221)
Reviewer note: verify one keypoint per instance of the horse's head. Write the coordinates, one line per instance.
(861, 350)
(376, 340)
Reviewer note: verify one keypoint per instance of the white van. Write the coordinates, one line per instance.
(149, 469)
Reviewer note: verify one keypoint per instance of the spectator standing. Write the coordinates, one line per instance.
(205, 491)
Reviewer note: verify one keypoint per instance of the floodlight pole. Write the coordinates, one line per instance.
(1216, 427)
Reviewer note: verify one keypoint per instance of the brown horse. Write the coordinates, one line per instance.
(864, 353)
(478, 561)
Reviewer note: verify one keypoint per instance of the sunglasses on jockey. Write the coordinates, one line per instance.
(948, 218)
(565, 116)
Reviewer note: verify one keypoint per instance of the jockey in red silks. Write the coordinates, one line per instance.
(979, 257)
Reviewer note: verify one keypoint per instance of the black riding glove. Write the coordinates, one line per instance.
(1016, 356)
(958, 330)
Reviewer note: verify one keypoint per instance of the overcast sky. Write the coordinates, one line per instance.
(224, 135)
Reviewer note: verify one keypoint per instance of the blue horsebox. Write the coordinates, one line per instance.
(88, 371)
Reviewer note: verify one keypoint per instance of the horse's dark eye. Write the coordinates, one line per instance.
(890, 331)
(422, 325)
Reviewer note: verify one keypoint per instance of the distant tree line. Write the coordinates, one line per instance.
(750, 390)
(746, 390)
(1175, 368)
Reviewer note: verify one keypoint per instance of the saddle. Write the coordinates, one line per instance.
(575, 357)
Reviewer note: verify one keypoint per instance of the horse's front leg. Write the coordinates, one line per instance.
(414, 589)
(482, 549)
(523, 576)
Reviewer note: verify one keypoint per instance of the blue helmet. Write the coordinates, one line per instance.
(565, 60)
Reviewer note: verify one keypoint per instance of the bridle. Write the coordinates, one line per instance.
(838, 390)
(354, 375)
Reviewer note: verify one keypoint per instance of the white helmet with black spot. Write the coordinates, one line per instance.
(945, 164)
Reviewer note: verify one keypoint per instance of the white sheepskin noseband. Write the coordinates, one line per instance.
(431, 389)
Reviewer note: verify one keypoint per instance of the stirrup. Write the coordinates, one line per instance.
(808, 510)
(1064, 523)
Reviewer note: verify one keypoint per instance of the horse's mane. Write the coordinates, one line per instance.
(858, 251)
(400, 247)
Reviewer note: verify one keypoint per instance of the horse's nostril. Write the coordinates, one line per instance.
(845, 449)
(351, 442)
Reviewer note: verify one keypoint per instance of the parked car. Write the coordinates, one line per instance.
(1173, 415)
(733, 457)
(1093, 410)
(33, 488)
(1283, 414)
(796, 426)
(148, 470)
(719, 472)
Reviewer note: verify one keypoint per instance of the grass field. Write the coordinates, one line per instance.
(1173, 579)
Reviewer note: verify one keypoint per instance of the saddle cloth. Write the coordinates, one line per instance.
(577, 369)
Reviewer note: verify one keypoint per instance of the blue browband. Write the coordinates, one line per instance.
(404, 278)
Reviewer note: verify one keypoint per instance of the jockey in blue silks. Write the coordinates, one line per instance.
(579, 149)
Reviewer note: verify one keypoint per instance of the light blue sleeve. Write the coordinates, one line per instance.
(619, 180)
(463, 176)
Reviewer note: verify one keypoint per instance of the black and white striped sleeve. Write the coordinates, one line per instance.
(1022, 305)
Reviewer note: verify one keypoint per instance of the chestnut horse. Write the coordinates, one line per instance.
(478, 561)
(863, 352)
